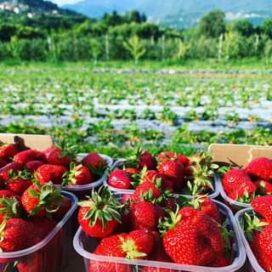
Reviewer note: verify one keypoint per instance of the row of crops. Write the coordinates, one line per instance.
(116, 109)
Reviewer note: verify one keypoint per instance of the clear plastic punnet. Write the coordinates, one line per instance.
(235, 205)
(52, 254)
(255, 266)
(82, 190)
(214, 194)
(85, 245)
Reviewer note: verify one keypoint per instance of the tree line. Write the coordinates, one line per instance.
(130, 36)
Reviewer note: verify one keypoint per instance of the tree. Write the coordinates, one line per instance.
(213, 24)
(96, 49)
(14, 48)
(244, 27)
(268, 51)
(135, 47)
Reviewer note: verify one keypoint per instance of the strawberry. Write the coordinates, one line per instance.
(28, 155)
(31, 263)
(145, 215)
(147, 160)
(234, 179)
(63, 208)
(137, 244)
(261, 245)
(40, 200)
(100, 214)
(173, 170)
(55, 155)
(49, 172)
(32, 166)
(78, 175)
(119, 179)
(166, 156)
(146, 190)
(192, 237)
(7, 169)
(110, 246)
(245, 192)
(19, 181)
(8, 151)
(95, 163)
(220, 261)
(260, 168)
(262, 205)
(207, 206)
(264, 187)
(16, 234)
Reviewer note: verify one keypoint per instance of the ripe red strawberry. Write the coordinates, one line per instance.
(78, 175)
(233, 179)
(7, 151)
(173, 170)
(16, 234)
(18, 185)
(95, 163)
(110, 246)
(9, 206)
(100, 214)
(262, 205)
(39, 200)
(166, 156)
(119, 179)
(260, 168)
(245, 192)
(63, 208)
(147, 160)
(8, 169)
(146, 190)
(264, 187)
(56, 156)
(28, 155)
(145, 215)
(49, 172)
(31, 263)
(32, 166)
(261, 245)
(220, 261)
(193, 238)
(137, 244)
(207, 206)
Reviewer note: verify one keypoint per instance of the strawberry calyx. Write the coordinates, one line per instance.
(170, 222)
(130, 248)
(9, 207)
(2, 231)
(70, 177)
(246, 197)
(252, 224)
(49, 196)
(103, 206)
(227, 235)
(24, 174)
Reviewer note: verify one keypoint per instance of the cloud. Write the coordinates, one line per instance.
(63, 2)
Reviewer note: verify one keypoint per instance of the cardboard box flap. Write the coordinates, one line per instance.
(39, 142)
(238, 154)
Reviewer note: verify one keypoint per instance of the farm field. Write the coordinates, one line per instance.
(112, 110)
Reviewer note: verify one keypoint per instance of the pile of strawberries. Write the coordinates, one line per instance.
(258, 230)
(31, 205)
(169, 171)
(152, 225)
(244, 184)
(20, 165)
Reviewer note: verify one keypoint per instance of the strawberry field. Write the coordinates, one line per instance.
(115, 109)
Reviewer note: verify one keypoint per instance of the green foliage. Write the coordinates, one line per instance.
(212, 24)
(135, 48)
